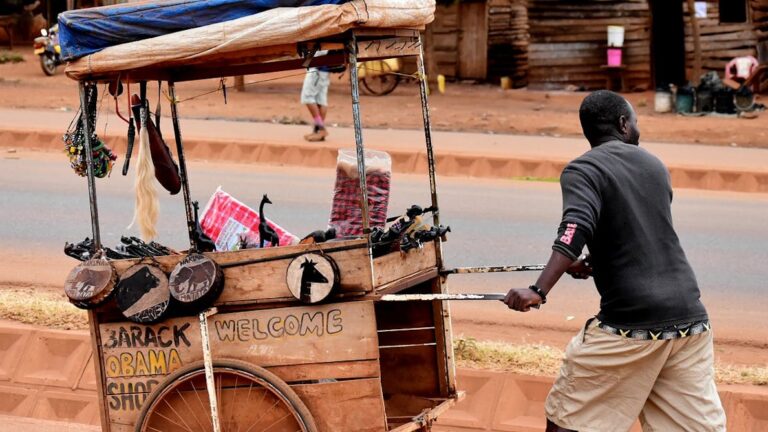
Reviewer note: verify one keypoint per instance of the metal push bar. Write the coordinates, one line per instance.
(428, 141)
(353, 79)
(434, 297)
(89, 168)
(493, 269)
(182, 165)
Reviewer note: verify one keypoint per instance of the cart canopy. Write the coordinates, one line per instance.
(86, 31)
(274, 33)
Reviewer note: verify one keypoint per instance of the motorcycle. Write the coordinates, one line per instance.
(47, 47)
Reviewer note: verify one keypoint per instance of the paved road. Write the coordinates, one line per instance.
(43, 204)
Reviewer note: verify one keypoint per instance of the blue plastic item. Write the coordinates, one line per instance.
(86, 31)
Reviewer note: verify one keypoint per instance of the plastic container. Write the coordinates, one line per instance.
(615, 36)
(704, 100)
(684, 100)
(662, 101)
(614, 57)
(724, 101)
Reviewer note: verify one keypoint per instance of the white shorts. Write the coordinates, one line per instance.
(315, 88)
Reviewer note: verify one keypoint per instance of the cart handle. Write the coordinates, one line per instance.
(433, 297)
(492, 269)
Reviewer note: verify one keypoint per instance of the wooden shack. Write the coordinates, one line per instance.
(569, 42)
(482, 40)
(730, 29)
(561, 43)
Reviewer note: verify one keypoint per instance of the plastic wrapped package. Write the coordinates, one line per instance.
(226, 221)
(346, 215)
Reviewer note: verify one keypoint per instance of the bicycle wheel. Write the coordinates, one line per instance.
(380, 81)
(249, 399)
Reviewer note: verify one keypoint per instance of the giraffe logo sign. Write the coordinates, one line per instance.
(312, 277)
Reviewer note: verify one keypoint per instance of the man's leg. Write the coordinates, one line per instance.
(551, 427)
(684, 397)
(318, 115)
(311, 92)
(322, 84)
(319, 132)
(604, 381)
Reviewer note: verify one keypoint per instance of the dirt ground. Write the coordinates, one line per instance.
(464, 107)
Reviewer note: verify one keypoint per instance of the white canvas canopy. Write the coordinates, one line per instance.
(246, 36)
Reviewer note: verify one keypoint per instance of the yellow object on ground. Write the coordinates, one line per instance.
(441, 84)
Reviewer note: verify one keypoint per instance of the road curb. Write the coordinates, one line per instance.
(48, 375)
(320, 155)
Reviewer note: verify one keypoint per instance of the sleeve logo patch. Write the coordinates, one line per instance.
(567, 236)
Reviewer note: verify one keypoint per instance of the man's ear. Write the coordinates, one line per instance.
(623, 125)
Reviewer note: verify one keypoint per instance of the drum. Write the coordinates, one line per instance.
(91, 283)
(196, 282)
(143, 295)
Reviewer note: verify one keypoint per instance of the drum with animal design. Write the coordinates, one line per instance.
(90, 283)
(196, 282)
(143, 295)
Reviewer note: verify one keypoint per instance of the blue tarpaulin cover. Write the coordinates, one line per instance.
(86, 31)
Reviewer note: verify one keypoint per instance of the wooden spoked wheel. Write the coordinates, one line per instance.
(379, 80)
(250, 399)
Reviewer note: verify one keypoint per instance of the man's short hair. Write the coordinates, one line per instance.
(600, 112)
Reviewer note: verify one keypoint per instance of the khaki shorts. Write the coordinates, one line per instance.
(607, 381)
(314, 91)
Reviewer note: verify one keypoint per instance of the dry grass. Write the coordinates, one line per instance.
(41, 308)
(728, 374)
(543, 360)
(526, 359)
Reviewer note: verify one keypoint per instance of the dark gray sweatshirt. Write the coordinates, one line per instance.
(617, 200)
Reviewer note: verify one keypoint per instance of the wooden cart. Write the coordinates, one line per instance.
(350, 363)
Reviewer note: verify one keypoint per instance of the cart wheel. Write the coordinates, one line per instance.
(249, 399)
(381, 82)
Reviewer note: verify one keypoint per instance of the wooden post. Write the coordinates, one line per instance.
(696, 74)
(240, 83)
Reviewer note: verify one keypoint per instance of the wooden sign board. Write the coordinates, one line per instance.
(135, 358)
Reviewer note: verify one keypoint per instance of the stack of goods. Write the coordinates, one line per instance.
(407, 232)
(229, 222)
(346, 214)
(74, 142)
(130, 247)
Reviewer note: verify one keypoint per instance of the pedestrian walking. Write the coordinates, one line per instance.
(648, 352)
(314, 94)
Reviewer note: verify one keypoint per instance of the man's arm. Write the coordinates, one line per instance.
(522, 299)
(581, 210)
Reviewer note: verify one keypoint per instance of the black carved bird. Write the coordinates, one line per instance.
(266, 232)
